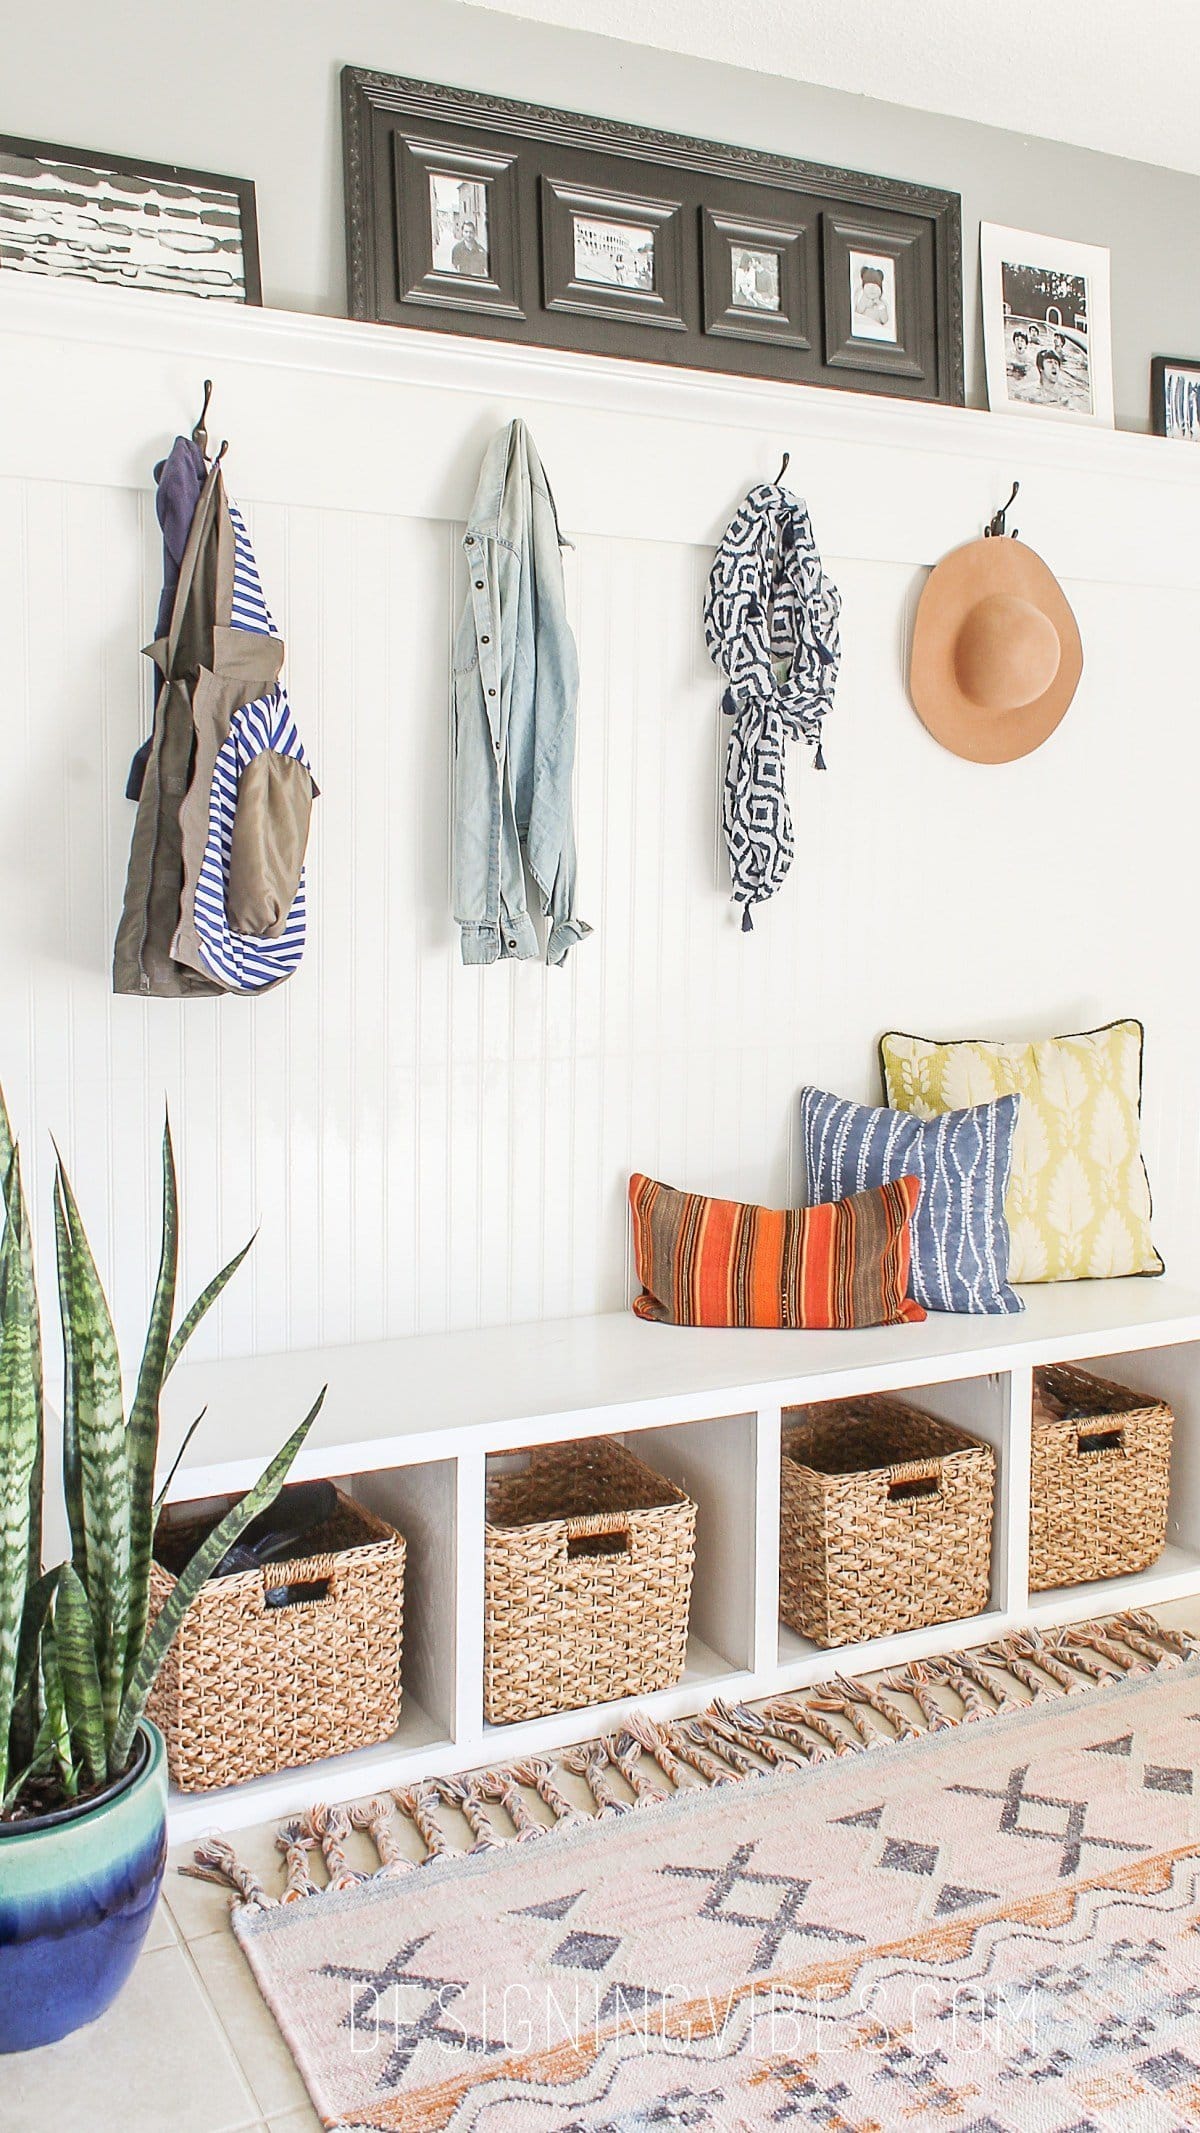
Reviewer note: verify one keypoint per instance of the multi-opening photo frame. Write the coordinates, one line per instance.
(483, 216)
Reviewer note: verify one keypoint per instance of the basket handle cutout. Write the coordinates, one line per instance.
(916, 1485)
(302, 1592)
(1101, 1440)
(597, 1544)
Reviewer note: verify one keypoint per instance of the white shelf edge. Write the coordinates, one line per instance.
(348, 348)
(209, 1384)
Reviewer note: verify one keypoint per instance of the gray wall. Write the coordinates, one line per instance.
(252, 89)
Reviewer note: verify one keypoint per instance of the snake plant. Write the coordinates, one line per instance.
(78, 1652)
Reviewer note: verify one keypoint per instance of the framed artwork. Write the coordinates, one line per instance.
(612, 255)
(480, 215)
(1175, 397)
(77, 215)
(756, 279)
(1047, 332)
(875, 317)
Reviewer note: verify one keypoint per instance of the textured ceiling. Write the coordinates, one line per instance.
(1118, 75)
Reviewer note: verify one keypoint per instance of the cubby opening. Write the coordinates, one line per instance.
(1172, 1374)
(984, 1407)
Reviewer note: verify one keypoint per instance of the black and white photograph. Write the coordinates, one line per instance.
(873, 297)
(83, 216)
(1175, 398)
(755, 278)
(614, 254)
(1046, 326)
(458, 207)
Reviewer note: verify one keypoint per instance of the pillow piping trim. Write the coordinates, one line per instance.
(1146, 1273)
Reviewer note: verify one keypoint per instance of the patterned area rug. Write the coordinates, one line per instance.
(817, 1915)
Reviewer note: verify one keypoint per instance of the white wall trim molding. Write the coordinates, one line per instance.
(123, 364)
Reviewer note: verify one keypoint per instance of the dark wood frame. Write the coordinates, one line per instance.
(722, 313)
(167, 173)
(699, 194)
(906, 356)
(562, 291)
(1159, 366)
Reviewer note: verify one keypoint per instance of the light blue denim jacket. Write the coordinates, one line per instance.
(516, 681)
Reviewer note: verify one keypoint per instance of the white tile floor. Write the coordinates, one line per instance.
(189, 2047)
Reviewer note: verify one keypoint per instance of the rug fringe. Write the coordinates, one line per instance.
(653, 1760)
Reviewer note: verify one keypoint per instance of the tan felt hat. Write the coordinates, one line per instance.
(996, 655)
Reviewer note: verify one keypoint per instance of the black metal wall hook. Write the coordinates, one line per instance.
(786, 463)
(199, 429)
(997, 525)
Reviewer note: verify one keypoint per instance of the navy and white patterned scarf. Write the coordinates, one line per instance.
(771, 625)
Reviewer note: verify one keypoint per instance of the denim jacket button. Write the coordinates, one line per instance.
(491, 692)
(510, 944)
(485, 640)
(479, 585)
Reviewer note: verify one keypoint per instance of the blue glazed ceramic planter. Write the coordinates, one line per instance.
(77, 1893)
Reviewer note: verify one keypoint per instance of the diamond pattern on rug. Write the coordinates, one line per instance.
(866, 1818)
(1122, 1745)
(785, 1919)
(1070, 1837)
(368, 2011)
(585, 1951)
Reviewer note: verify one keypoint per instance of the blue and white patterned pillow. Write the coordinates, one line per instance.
(963, 1158)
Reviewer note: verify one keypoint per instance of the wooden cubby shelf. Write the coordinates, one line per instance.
(409, 1426)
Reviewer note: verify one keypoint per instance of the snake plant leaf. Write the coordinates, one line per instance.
(75, 1633)
(141, 1437)
(188, 1584)
(202, 1306)
(14, 1201)
(72, 1479)
(26, 1711)
(175, 1465)
(19, 1446)
(103, 1466)
(54, 1721)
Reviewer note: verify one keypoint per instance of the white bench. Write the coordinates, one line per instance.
(410, 1425)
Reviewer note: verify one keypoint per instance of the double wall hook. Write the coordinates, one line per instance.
(200, 429)
(997, 525)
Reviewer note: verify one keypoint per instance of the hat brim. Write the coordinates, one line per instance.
(962, 578)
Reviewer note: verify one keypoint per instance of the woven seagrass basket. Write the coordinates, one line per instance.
(1100, 1480)
(587, 1581)
(885, 1520)
(250, 1686)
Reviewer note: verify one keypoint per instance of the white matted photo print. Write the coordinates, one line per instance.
(1047, 333)
(873, 297)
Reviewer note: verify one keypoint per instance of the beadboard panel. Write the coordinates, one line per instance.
(426, 1147)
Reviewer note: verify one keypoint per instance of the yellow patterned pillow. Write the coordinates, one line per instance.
(1078, 1198)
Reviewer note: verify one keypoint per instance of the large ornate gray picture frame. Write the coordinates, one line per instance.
(478, 215)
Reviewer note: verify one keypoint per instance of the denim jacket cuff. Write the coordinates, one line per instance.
(480, 944)
(513, 940)
(566, 935)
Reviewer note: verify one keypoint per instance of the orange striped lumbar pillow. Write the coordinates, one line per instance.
(705, 1262)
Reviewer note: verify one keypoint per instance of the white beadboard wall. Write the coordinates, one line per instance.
(423, 1146)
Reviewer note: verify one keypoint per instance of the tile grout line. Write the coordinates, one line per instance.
(257, 2118)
